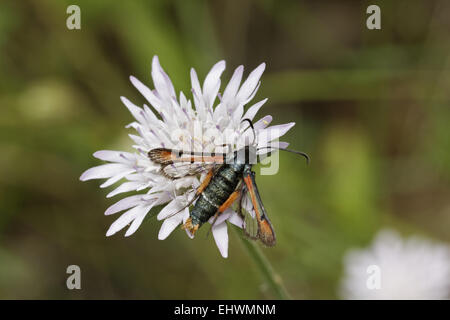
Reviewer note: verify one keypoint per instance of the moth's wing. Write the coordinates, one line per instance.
(178, 163)
(247, 213)
(265, 231)
(180, 170)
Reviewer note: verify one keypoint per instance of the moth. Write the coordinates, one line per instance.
(229, 179)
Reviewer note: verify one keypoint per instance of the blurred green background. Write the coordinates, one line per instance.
(371, 107)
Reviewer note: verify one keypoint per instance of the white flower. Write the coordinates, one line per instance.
(412, 268)
(174, 123)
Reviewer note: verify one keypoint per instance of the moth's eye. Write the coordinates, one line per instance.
(179, 154)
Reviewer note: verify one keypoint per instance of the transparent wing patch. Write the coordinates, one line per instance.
(179, 170)
(247, 213)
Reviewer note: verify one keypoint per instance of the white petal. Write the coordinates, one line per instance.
(198, 96)
(210, 95)
(125, 203)
(251, 112)
(233, 85)
(125, 219)
(249, 86)
(169, 225)
(221, 218)
(237, 113)
(116, 178)
(114, 156)
(281, 144)
(252, 95)
(236, 219)
(274, 132)
(103, 171)
(195, 83)
(263, 122)
(174, 206)
(277, 144)
(219, 111)
(220, 234)
(138, 140)
(161, 80)
(124, 187)
(138, 221)
(135, 110)
(147, 93)
(213, 77)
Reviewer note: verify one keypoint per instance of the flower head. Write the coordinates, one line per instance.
(212, 123)
(412, 268)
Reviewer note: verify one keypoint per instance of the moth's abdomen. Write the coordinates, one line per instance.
(215, 194)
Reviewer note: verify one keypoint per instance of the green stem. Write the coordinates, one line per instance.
(264, 266)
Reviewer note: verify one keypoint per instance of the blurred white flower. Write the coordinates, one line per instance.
(411, 268)
(174, 123)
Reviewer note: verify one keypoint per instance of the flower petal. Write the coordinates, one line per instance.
(233, 85)
(114, 156)
(251, 112)
(273, 132)
(103, 171)
(277, 144)
(124, 187)
(221, 218)
(161, 80)
(147, 93)
(124, 204)
(116, 178)
(198, 96)
(125, 219)
(220, 234)
(212, 82)
(237, 113)
(249, 86)
(135, 110)
(169, 225)
(138, 221)
(195, 83)
(236, 219)
(173, 207)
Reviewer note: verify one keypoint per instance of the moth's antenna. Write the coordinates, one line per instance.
(289, 150)
(251, 126)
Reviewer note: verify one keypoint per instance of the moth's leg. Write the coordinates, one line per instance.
(229, 202)
(205, 182)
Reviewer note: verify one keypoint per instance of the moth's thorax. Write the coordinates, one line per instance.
(246, 155)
